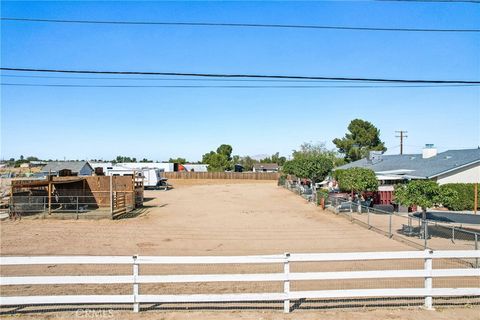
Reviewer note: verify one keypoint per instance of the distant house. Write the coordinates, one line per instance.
(32, 164)
(68, 168)
(452, 166)
(266, 167)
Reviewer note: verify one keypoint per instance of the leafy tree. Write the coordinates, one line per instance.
(275, 158)
(178, 160)
(247, 162)
(423, 193)
(216, 162)
(121, 159)
(356, 179)
(362, 138)
(312, 162)
(226, 150)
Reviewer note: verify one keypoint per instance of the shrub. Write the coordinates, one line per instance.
(282, 179)
(321, 193)
(465, 199)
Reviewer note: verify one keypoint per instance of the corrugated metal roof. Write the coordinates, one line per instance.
(415, 166)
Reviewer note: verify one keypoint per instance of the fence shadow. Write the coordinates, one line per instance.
(297, 305)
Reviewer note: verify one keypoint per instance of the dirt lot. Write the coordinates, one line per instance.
(208, 219)
(213, 218)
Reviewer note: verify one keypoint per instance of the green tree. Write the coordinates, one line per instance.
(312, 162)
(247, 162)
(216, 162)
(423, 193)
(356, 179)
(362, 138)
(226, 150)
(275, 158)
(178, 160)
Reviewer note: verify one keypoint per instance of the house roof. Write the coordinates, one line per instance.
(266, 166)
(413, 165)
(74, 166)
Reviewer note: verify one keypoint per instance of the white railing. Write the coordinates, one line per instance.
(135, 279)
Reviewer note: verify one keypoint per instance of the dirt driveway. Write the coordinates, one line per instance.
(208, 219)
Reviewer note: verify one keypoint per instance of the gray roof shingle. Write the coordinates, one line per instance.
(74, 166)
(415, 166)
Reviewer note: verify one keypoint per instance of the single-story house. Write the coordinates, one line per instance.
(266, 167)
(452, 166)
(68, 168)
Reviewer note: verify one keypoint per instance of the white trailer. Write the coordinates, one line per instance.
(152, 177)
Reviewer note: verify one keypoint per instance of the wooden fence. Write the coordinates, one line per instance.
(223, 175)
(427, 292)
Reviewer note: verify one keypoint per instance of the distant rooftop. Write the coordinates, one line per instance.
(56, 166)
(414, 165)
(266, 166)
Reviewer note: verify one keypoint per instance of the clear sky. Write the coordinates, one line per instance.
(158, 123)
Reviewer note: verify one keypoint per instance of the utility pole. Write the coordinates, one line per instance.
(402, 135)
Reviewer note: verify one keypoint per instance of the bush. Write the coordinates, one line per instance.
(282, 179)
(321, 193)
(465, 199)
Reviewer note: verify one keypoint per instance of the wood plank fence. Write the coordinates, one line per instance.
(427, 292)
(223, 175)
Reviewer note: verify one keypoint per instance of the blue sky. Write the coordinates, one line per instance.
(158, 123)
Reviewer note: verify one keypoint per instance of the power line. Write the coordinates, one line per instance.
(230, 86)
(218, 75)
(175, 79)
(236, 25)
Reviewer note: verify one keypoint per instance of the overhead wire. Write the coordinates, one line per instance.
(235, 25)
(252, 76)
(231, 86)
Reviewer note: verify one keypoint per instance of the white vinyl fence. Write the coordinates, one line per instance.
(427, 292)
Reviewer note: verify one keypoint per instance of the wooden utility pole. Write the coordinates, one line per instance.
(475, 203)
(402, 135)
(50, 192)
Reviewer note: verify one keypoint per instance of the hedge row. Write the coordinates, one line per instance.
(466, 196)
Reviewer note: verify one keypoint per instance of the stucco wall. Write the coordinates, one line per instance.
(470, 174)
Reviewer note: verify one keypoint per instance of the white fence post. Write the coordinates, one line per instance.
(136, 306)
(286, 283)
(428, 279)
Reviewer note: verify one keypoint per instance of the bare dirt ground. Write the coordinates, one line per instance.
(404, 314)
(211, 217)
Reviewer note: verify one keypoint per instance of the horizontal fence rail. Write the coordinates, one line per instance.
(136, 279)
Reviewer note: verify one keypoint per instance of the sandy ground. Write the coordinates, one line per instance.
(213, 218)
(385, 314)
(210, 219)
